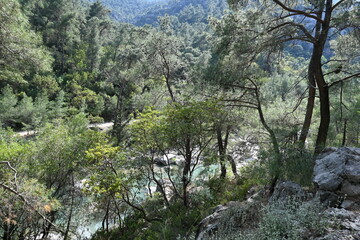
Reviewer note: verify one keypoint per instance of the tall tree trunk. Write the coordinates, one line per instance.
(344, 134)
(186, 171)
(118, 127)
(169, 89)
(312, 79)
(66, 235)
(47, 227)
(309, 106)
(6, 234)
(321, 83)
(315, 75)
(222, 144)
(275, 144)
(233, 166)
(105, 221)
(324, 116)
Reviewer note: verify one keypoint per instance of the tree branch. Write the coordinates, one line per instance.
(311, 39)
(12, 169)
(31, 206)
(297, 11)
(125, 198)
(333, 60)
(337, 4)
(239, 86)
(344, 79)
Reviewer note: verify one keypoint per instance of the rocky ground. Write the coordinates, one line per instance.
(337, 185)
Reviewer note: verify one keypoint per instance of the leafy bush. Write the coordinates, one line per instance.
(177, 222)
(95, 119)
(291, 220)
(296, 165)
(225, 190)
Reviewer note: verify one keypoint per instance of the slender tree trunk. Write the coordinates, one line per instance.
(47, 227)
(276, 150)
(71, 210)
(222, 151)
(233, 166)
(159, 184)
(321, 83)
(312, 79)
(119, 115)
(6, 234)
(169, 89)
(343, 143)
(167, 74)
(105, 221)
(186, 171)
(315, 75)
(309, 106)
(324, 116)
(69, 219)
(275, 144)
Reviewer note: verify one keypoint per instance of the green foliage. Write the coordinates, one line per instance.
(22, 217)
(187, 12)
(296, 165)
(172, 127)
(292, 220)
(12, 150)
(223, 190)
(8, 101)
(282, 220)
(21, 111)
(48, 167)
(65, 63)
(177, 222)
(43, 84)
(106, 180)
(21, 52)
(147, 131)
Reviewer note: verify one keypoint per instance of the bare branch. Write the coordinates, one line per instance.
(311, 39)
(126, 199)
(241, 101)
(242, 105)
(241, 87)
(31, 206)
(344, 79)
(299, 12)
(12, 169)
(9, 165)
(291, 38)
(337, 4)
(289, 15)
(333, 60)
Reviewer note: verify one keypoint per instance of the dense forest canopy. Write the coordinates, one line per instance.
(207, 99)
(141, 12)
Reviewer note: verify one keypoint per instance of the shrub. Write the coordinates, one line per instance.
(292, 220)
(296, 165)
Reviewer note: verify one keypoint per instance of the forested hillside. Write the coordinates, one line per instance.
(127, 10)
(210, 100)
(141, 12)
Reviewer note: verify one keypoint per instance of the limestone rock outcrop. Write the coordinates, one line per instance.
(337, 173)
